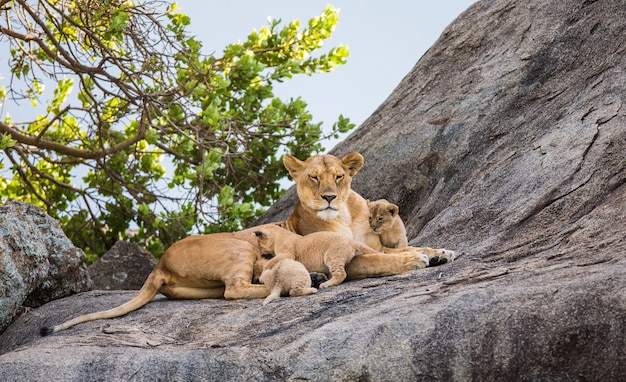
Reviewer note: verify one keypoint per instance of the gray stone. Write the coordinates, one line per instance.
(123, 267)
(38, 263)
(506, 143)
(462, 321)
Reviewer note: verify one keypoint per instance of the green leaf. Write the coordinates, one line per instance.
(6, 141)
(209, 160)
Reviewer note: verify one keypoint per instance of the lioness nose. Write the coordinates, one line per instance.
(329, 198)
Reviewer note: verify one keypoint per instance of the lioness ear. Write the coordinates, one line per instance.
(393, 209)
(293, 164)
(352, 163)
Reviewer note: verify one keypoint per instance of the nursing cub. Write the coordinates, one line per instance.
(286, 277)
(387, 224)
(328, 203)
(323, 252)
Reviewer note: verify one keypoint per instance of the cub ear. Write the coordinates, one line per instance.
(393, 209)
(293, 164)
(369, 204)
(352, 163)
(260, 234)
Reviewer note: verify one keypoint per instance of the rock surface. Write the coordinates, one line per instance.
(123, 267)
(38, 263)
(506, 142)
(461, 321)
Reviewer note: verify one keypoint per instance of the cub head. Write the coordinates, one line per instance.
(382, 215)
(323, 181)
(266, 243)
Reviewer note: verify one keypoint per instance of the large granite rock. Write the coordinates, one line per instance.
(506, 142)
(462, 321)
(38, 263)
(125, 266)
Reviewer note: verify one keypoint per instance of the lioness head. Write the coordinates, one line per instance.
(323, 181)
(382, 215)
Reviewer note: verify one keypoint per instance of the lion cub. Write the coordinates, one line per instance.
(323, 252)
(385, 222)
(286, 277)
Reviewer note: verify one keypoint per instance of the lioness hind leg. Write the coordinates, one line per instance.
(189, 293)
(301, 291)
(239, 288)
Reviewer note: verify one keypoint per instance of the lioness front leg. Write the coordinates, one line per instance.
(384, 264)
(436, 256)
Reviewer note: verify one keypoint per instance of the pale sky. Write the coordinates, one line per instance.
(386, 39)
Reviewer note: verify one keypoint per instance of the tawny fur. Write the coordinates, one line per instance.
(387, 224)
(219, 265)
(286, 277)
(327, 203)
(223, 265)
(323, 252)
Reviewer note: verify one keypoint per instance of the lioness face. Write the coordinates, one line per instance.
(323, 181)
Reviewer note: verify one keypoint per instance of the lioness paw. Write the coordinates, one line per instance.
(418, 260)
(317, 279)
(443, 256)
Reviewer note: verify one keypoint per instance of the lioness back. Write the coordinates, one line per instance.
(386, 222)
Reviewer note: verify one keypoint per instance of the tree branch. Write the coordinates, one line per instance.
(70, 151)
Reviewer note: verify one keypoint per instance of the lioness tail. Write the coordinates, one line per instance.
(149, 289)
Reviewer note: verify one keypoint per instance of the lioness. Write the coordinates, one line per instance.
(387, 224)
(286, 277)
(218, 265)
(327, 203)
(222, 265)
(323, 252)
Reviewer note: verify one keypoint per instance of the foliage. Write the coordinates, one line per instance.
(146, 101)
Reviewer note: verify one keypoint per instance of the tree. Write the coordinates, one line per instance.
(148, 100)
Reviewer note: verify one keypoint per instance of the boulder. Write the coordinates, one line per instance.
(506, 143)
(38, 263)
(123, 267)
(462, 321)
